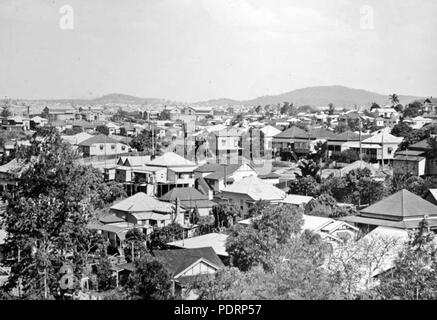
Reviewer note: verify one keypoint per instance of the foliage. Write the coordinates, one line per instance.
(401, 130)
(252, 245)
(47, 215)
(414, 184)
(161, 236)
(413, 276)
(331, 109)
(413, 109)
(205, 225)
(108, 192)
(123, 131)
(307, 168)
(144, 141)
(104, 273)
(296, 272)
(225, 214)
(306, 186)
(164, 115)
(6, 112)
(394, 99)
(103, 130)
(257, 208)
(150, 280)
(135, 244)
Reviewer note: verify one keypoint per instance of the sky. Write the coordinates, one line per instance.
(193, 50)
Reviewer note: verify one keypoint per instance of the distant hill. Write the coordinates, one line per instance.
(340, 96)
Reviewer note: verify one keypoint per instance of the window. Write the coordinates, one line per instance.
(101, 147)
(390, 150)
(123, 148)
(112, 146)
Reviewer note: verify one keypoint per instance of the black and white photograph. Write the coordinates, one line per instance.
(224, 150)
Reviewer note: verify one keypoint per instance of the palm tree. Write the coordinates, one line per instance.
(394, 98)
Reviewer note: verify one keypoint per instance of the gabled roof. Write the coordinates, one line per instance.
(215, 240)
(297, 199)
(98, 139)
(421, 145)
(347, 136)
(220, 172)
(141, 202)
(178, 260)
(291, 132)
(256, 189)
(170, 159)
(402, 204)
(383, 137)
(183, 194)
(270, 131)
(77, 138)
(136, 161)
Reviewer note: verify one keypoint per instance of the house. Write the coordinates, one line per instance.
(10, 172)
(380, 147)
(423, 149)
(38, 121)
(247, 191)
(101, 145)
(226, 145)
(76, 139)
(385, 112)
(179, 172)
(215, 240)
(300, 142)
(113, 128)
(190, 198)
(338, 143)
(409, 162)
(297, 200)
(59, 113)
(432, 196)
(403, 210)
(147, 211)
(186, 265)
(267, 134)
(272, 178)
(217, 175)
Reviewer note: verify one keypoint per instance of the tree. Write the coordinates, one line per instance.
(135, 245)
(331, 109)
(306, 186)
(161, 236)
(307, 168)
(413, 109)
(401, 130)
(103, 130)
(144, 141)
(258, 109)
(149, 280)
(321, 149)
(225, 215)
(47, 215)
(257, 208)
(399, 107)
(252, 245)
(108, 192)
(297, 272)
(394, 99)
(6, 112)
(104, 273)
(123, 131)
(374, 106)
(413, 276)
(164, 115)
